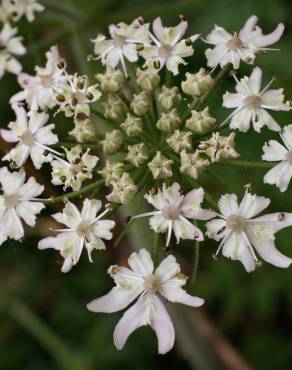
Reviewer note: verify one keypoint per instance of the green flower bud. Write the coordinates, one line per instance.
(84, 131)
(111, 81)
(169, 97)
(168, 121)
(148, 79)
(114, 108)
(112, 171)
(200, 122)
(137, 154)
(132, 125)
(192, 164)
(112, 142)
(197, 84)
(141, 103)
(123, 190)
(160, 166)
(180, 140)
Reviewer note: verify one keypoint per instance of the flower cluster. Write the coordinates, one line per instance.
(136, 130)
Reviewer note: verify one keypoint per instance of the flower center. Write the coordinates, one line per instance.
(27, 138)
(236, 223)
(252, 102)
(76, 168)
(84, 228)
(119, 40)
(151, 284)
(170, 212)
(11, 200)
(289, 157)
(46, 80)
(165, 51)
(234, 43)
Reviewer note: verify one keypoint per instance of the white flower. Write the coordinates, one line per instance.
(170, 48)
(15, 9)
(39, 90)
(174, 210)
(122, 45)
(141, 280)
(280, 175)
(10, 46)
(251, 104)
(75, 170)
(17, 202)
(232, 48)
(32, 138)
(84, 229)
(241, 232)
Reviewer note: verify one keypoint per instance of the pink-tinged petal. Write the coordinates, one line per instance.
(218, 36)
(281, 220)
(256, 79)
(167, 269)
(174, 293)
(249, 25)
(228, 204)
(184, 229)
(252, 205)
(131, 320)
(266, 40)
(232, 100)
(158, 27)
(67, 265)
(141, 263)
(117, 299)
(162, 325)
(9, 136)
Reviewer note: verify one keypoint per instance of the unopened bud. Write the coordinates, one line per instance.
(112, 80)
(112, 142)
(113, 107)
(180, 140)
(137, 154)
(200, 121)
(169, 97)
(132, 125)
(197, 84)
(192, 164)
(141, 103)
(123, 190)
(168, 121)
(148, 79)
(160, 166)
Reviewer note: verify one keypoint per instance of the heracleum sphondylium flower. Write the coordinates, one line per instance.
(32, 136)
(85, 229)
(18, 202)
(242, 45)
(281, 174)
(10, 46)
(174, 211)
(170, 48)
(252, 104)
(15, 9)
(242, 234)
(147, 284)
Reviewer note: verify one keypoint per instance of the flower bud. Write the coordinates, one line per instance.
(200, 121)
(219, 147)
(169, 97)
(168, 121)
(137, 154)
(160, 166)
(141, 103)
(112, 142)
(133, 125)
(197, 84)
(180, 140)
(148, 79)
(112, 80)
(112, 171)
(123, 190)
(192, 164)
(114, 108)
(83, 131)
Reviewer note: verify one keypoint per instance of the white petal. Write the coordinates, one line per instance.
(191, 206)
(274, 151)
(28, 211)
(141, 263)
(11, 182)
(280, 175)
(286, 134)
(228, 205)
(167, 269)
(11, 225)
(173, 292)
(90, 209)
(252, 205)
(70, 215)
(102, 229)
(31, 189)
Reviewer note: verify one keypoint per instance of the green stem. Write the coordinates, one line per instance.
(67, 144)
(74, 194)
(64, 356)
(112, 122)
(155, 249)
(196, 265)
(246, 164)
(197, 103)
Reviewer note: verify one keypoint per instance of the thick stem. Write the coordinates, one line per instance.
(74, 194)
(155, 249)
(196, 266)
(245, 164)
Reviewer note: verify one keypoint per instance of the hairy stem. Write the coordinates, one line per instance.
(246, 164)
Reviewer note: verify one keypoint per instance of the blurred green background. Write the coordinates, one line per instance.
(44, 323)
